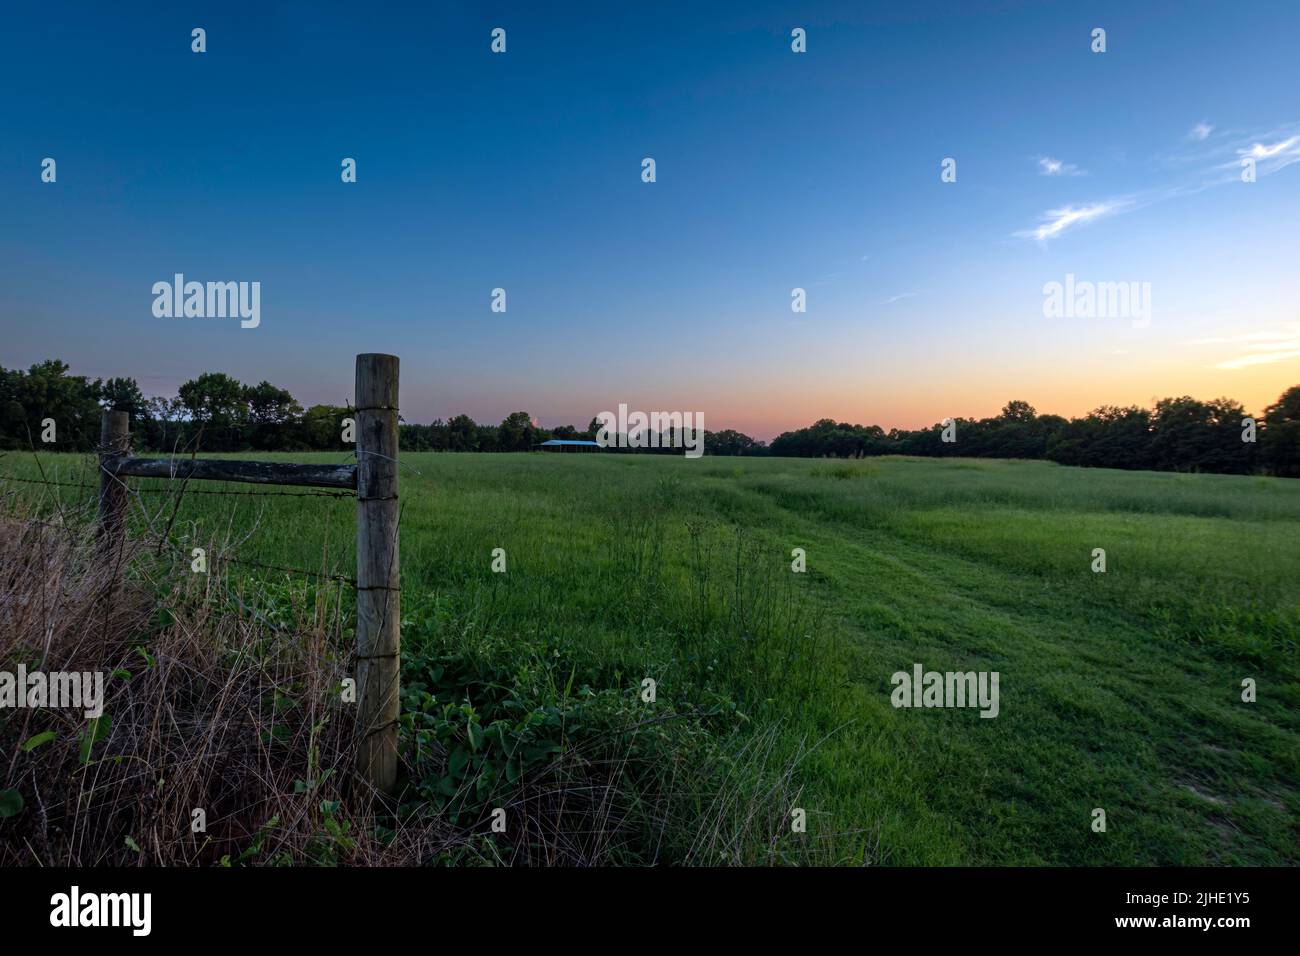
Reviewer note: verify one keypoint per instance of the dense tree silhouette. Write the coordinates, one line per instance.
(1279, 446)
(215, 412)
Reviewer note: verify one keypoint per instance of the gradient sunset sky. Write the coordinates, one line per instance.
(775, 170)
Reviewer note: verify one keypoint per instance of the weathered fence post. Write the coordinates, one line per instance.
(378, 578)
(114, 441)
(378, 571)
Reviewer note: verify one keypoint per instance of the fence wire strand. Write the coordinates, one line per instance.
(189, 491)
(217, 557)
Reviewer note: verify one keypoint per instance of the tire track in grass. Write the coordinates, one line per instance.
(1102, 710)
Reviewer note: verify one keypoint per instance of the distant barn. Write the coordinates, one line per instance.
(566, 444)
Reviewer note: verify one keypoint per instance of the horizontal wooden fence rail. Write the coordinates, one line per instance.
(216, 469)
(374, 478)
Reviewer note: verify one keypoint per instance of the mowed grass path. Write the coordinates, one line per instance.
(1119, 690)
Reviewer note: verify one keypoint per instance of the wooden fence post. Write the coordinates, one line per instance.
(114, 441)
(378, 570)
(378, 577)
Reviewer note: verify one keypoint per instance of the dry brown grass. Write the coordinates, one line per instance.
(223, 693)
(209, 706)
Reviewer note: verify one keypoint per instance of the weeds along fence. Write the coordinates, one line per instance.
(373, 481)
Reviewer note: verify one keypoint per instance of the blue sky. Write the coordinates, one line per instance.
(775, 170)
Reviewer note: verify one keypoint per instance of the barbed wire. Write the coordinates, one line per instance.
(217, 556)
(189, 491)
(249, 494)
(375, 454)
(40, 481)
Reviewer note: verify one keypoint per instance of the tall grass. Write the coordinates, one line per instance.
(221, 698)
(1120, 690)
(226, 738)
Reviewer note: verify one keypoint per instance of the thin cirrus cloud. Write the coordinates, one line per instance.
(1214, 165)
(1264, 358)
(1287, 150)
(1047, 166)
(1270, 152)
(1261, 347)
(1056, 221)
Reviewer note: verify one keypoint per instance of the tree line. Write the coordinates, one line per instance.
(215, 412)
(1178, 434)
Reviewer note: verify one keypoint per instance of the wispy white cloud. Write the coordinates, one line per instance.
(1047, 166)
(902, 295)
(1258, 358)
(1258, 336)
(1260, 347)
(1217, 162)
(1260, 151)
(1056, 221)
(1270, 157)
(1271, 151)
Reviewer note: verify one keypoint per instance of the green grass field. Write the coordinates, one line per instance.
(1120, 690)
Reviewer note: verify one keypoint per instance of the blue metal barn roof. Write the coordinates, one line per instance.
(568, 441)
